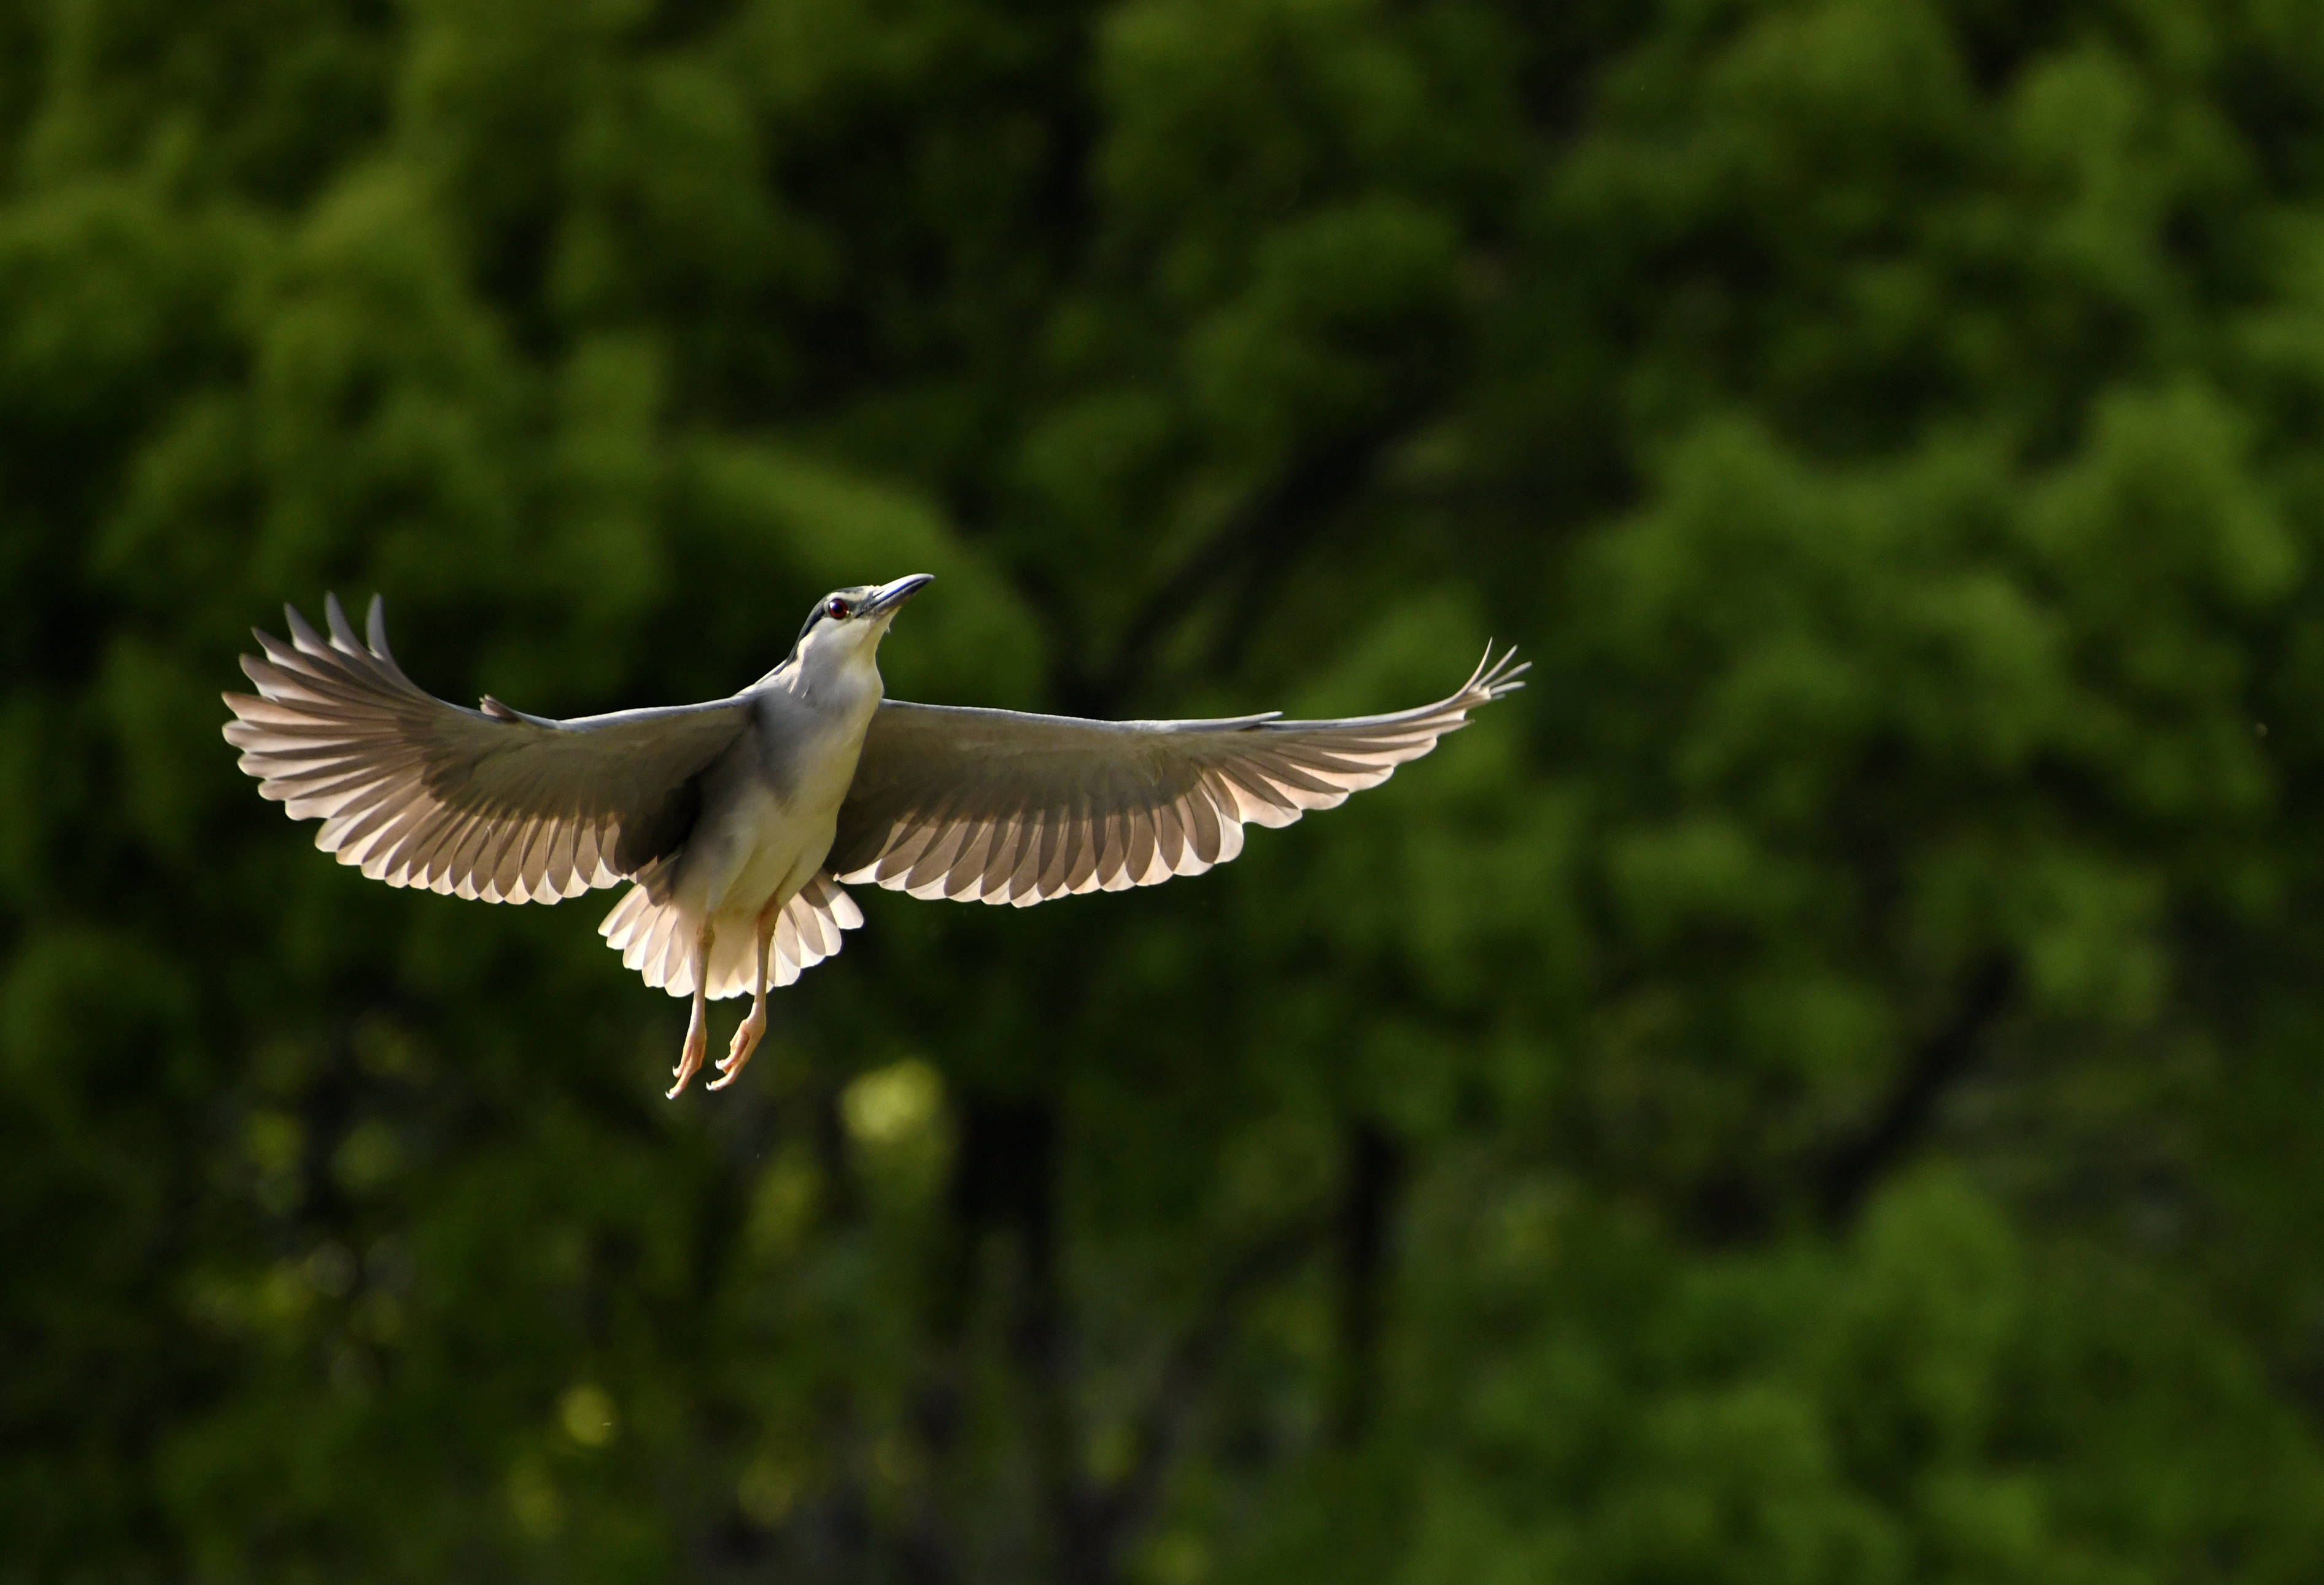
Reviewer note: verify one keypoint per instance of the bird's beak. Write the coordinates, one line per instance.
(887, 596)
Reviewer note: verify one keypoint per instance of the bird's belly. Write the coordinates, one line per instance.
(766, 827)
(756, 844)
(751, 847)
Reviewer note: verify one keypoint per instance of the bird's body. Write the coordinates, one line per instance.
(701, 922)
(771, 803)
(736, 819)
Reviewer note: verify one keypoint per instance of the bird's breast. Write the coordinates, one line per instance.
(807, 750)
(769, 812)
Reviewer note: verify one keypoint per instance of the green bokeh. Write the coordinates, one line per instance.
(1822, 1087)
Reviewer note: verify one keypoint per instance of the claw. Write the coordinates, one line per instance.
(689, 1061)
(746, 1041)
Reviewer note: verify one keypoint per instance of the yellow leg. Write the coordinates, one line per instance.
(747, 1032)
(697, 1029)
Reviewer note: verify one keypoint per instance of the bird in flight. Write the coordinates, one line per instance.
(736, 820)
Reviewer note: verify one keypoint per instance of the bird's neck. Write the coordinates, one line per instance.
(844, 683)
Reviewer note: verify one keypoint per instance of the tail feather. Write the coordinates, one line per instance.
(623, 921)
(673, 934)
(657, 939)
(786, 965)
(730, 964)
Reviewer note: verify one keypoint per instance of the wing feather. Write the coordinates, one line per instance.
(1005, 807)
(1169, 838)
(415, 791)
(966, 871)
(1206, 824)
(1040, 851)
(1113, 851)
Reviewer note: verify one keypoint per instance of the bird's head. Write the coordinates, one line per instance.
(847, 625)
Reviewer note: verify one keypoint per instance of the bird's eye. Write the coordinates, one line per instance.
(836, 609)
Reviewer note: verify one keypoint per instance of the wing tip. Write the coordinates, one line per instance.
(375, 628)
(1494, 679)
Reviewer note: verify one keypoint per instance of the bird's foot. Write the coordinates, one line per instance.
(746, 1041)
(689, 1059)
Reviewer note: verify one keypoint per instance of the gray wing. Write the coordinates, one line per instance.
(490, 803)
(997, 806)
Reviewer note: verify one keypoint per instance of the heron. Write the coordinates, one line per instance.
(737, 821)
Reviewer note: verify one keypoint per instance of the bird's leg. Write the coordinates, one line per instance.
(697, 1029)
(747, 1032)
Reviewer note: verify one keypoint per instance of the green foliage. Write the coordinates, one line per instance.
(1820, 1088)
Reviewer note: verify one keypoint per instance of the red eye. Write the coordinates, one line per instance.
(836, 609)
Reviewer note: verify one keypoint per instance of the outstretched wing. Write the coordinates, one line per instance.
(1003, 807)
(481, 803)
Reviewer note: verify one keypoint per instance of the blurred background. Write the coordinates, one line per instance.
(1822, 1087)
